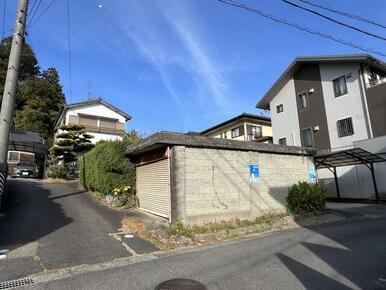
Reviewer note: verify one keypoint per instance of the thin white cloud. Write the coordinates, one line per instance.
(203, 63)
(168, 46)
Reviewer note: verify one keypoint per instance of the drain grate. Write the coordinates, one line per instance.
(16, 283)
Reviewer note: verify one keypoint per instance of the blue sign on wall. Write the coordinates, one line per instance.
(254, 173)
(312, 174)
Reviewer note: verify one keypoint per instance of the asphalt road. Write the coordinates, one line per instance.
(346, 255)
(53, 226)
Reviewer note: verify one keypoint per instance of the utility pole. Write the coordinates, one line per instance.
(9, 96)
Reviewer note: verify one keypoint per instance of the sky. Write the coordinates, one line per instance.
(182, 65)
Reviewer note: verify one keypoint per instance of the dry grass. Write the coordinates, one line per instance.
(54, 180)
(168, 237)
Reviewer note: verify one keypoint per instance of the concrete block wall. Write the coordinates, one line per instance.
(213, 184)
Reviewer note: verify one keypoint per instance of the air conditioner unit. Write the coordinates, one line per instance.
(311, 90)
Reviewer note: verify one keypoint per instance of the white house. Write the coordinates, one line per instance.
(333, 103)
(101, 119)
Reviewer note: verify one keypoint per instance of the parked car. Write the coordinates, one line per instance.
(25, 169)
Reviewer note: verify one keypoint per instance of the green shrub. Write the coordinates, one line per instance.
(306, 198)
(57, 171)
(106, 167)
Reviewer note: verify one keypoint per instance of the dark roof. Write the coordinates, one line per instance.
(348, 157)
(162, 139)
(24, 137)
(299, 61)
(240, 117)
(87, 103)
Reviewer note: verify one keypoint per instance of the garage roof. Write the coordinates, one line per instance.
(349, 157)
(162, 139)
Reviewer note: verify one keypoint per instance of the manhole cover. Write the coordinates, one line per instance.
(180, 284)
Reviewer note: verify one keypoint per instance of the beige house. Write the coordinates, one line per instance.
(244, 127)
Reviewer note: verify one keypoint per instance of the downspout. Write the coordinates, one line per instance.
(293, 139)
(362, 88)
(168, 153)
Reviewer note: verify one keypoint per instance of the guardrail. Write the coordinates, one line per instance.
(376, 82)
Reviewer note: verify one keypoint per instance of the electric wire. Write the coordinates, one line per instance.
(33, 12)
(300, 27)
(42, 13)
(353, 16)
(333, 20)
(118, 39)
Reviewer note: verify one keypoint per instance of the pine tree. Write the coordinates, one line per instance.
(71, 142)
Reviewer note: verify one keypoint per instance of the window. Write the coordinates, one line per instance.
(13, 156)
(307, 138)
(282, 141)
(239, 131)
(340, 86)
(303, 101)
(345, 127)
(223, 135)
(279, 108)
(256, 131)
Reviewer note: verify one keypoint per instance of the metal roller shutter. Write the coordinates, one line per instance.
(153, 187)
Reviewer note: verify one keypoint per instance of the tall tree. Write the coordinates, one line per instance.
(40, 100)
(29, 67)
(39, 96)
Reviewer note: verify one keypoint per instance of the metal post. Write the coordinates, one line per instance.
(336, 183)
(374, 182)
(9, 96)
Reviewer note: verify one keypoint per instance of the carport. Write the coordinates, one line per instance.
(356, 156)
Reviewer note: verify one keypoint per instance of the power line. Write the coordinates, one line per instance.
(36, 10)
(4, 12)
(360, 18)
(118, 39)
(297, 26)
(69, 47)
(33, 12)
(333, 20)
(41, 14)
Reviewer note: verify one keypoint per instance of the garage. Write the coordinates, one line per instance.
(153, 187)
(199, 179)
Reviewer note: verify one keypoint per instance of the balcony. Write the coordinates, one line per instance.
(375, 82)
(102, 130)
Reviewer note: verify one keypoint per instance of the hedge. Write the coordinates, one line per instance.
(106, 167)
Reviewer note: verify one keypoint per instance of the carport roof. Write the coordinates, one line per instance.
(163, 139)
(348, 157)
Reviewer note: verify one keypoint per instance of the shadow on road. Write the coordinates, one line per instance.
(28, 213)
(356, 255)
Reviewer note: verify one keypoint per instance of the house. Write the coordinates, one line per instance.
(26, 146)
(200, 179)
(244, 127)
(331, 103)
(328, 102)
(101, 119)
